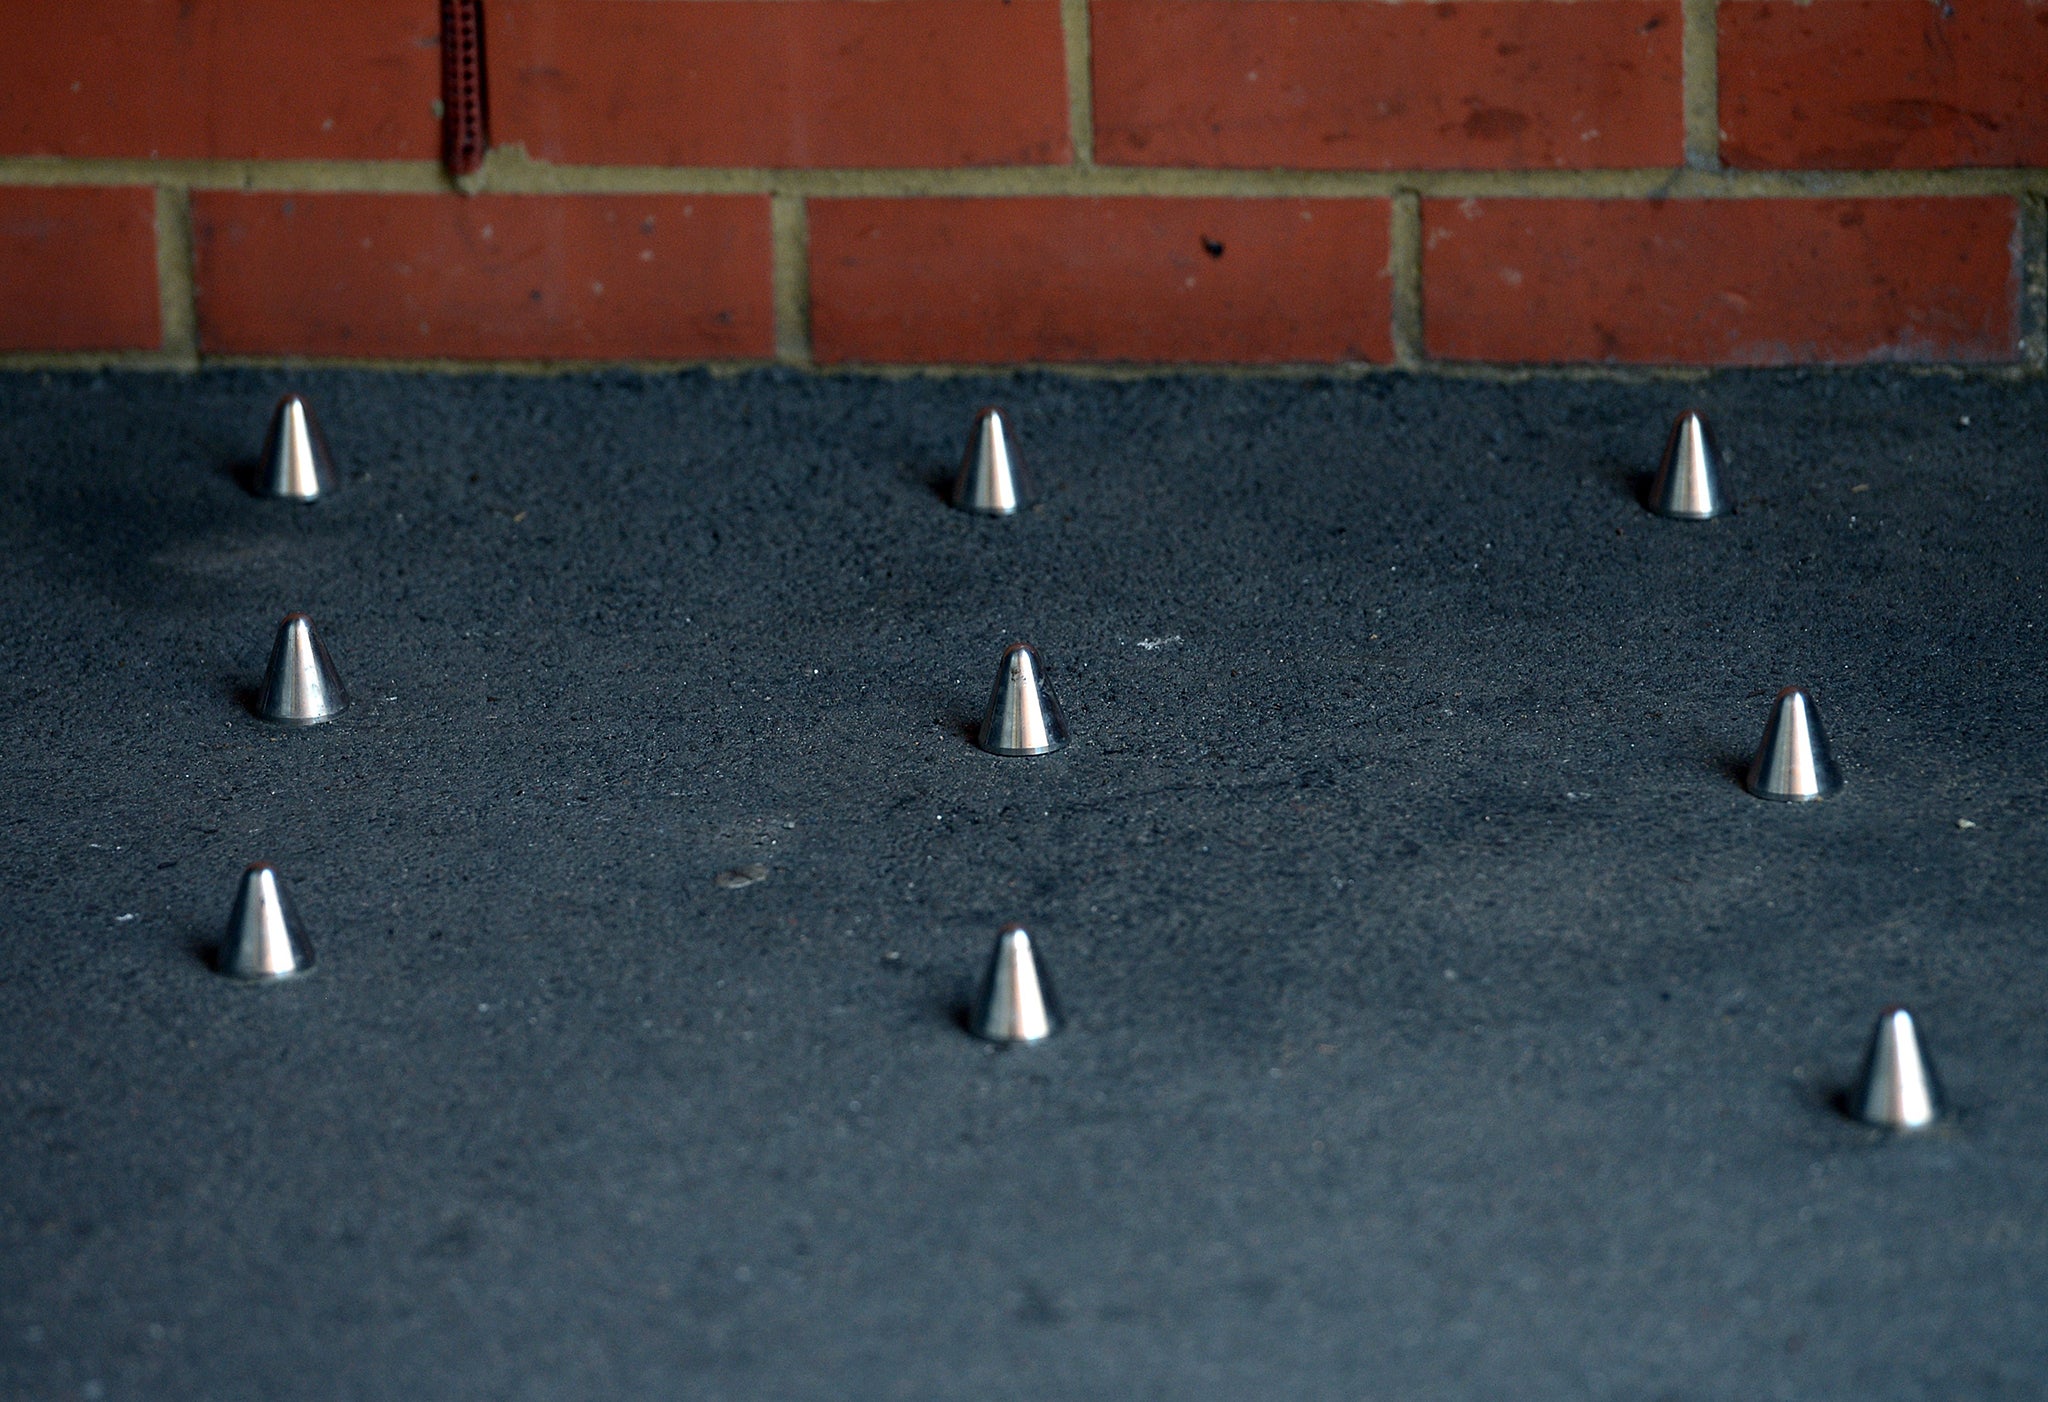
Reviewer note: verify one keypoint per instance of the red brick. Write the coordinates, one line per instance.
(78, 269)
(225, 78)
(1720, 282)
(499, 276)
(1884, 84)
(788, 83)
(1366, 85)
(1003, 281)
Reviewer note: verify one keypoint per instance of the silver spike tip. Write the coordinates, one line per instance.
(296, 463)
(1023, 716)
(1792, 764)
(991, 480)
(1015, 1004)
(1687, 486)
(300, 686)
(1899, 1089)
(265, 940)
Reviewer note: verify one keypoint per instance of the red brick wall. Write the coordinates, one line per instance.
(905, 182)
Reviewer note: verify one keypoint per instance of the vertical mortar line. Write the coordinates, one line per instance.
(1080, 79)
(1702, 60)
(174, 273)
(1404, 269)
(2033, 255)
(789, 231)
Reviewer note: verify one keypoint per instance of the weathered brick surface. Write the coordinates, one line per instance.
(1272, 268)
(790, 83)
(504, 276)
(1363, 84)
(1724, 282)
(279, 79)
(78, 269)
(1002, 281)
(1884, 84)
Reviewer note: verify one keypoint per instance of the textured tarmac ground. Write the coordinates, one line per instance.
(1446, 1020)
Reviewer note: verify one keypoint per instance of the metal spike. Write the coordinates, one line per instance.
(1899, 1089)
(296, 464)
(300, 686)
(1793, 764)
(991, 480)
(1687, 486)
(265, 939)
(1023, 716)
(1015, 1002)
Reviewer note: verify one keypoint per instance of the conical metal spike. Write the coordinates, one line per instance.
(991, 479)
(1015, 1002)
(1899, 1089)
(300, 687)
(265, 939)
(1023, 717)
(1688, 483)
(296, 463)
(1793, 764)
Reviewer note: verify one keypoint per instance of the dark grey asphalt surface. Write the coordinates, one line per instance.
(1446, 1021)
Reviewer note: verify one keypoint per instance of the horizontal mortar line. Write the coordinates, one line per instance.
(390, 177)
(24, 361)
(533, 178)
(508, 173)
(1497, 372)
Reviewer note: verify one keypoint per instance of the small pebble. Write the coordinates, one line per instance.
(740, 876)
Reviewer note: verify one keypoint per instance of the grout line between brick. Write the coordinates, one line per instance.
(1404, 268)
(512, 172)
(1702, 50)
(383, 177)
(1074, 23)
(789, 227)
(1481, 371)
(175, 308)
(1079, 370)
(2033, 267)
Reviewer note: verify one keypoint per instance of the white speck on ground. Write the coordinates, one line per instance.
(740, 876)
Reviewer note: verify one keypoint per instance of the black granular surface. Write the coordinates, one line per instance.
(1446, 1022)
